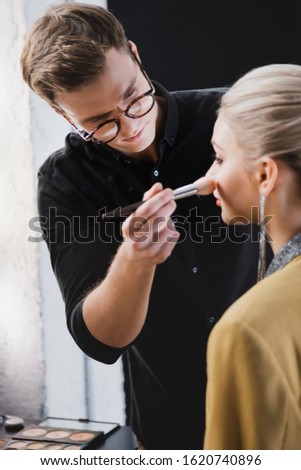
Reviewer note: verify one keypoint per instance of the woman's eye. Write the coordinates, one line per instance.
(218, 160)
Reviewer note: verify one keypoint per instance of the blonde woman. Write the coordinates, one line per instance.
(254, 352)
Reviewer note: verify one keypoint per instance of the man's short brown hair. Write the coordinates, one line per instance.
(66, 47)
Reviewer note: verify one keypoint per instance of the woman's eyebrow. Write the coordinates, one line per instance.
(215, 144)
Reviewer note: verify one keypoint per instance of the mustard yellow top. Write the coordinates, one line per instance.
(254, 368)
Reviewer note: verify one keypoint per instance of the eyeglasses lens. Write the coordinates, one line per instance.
(138, 109)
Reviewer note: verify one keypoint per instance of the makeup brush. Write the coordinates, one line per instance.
(202, 186)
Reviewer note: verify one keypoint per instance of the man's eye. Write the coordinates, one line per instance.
(94, 122)
(131, 95)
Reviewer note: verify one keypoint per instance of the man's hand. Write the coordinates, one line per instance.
(149, 233)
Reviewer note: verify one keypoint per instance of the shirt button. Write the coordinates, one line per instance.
(156, 173)
(194, 270)
(212, 319)
(172, 139)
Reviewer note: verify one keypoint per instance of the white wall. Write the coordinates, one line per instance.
(63, 381)
(21, 356)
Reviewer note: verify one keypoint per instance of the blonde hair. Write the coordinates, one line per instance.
(264, 109)
(66, 48)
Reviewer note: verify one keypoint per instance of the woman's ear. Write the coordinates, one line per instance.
(134, 49)
(266, 175)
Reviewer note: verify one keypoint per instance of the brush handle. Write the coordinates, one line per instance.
(185, 191)
(179, 193)
(122, 211)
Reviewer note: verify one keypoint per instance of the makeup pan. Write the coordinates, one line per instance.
(43, 438)
(33, 432)
(17, 445)
(3, 442)
(34, 445)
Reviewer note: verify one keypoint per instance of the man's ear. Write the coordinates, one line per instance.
(134, 50)
(266, 175)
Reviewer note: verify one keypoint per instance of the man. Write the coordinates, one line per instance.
(152, 288)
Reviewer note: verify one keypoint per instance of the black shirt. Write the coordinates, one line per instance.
(210, 267)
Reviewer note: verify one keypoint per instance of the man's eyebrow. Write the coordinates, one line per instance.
(103, 116)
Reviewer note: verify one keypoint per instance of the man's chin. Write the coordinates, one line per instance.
(138, 147)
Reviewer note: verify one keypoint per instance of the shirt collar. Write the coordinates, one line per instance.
(288, 252)
(172, 114)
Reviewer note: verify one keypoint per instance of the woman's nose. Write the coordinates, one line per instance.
(212, 171)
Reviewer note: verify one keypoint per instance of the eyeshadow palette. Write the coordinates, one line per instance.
(44, 437)
(83, 424)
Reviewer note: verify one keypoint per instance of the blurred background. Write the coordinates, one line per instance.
(183, 45)
(186, 44)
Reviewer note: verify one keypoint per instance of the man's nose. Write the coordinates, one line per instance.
(129, 126)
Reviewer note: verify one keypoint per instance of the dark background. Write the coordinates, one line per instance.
(204, 43)
(187, 44)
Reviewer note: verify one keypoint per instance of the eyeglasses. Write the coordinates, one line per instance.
(106, 131)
